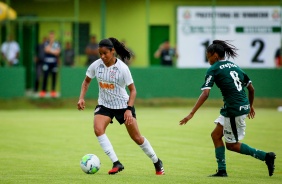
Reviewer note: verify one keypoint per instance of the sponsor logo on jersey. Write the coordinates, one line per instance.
(208, 80)
(244, 107)
(105, 85)
(228, 65)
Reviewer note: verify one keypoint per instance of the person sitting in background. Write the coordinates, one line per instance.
(69, 55)
(92, 51)
(10, 51)
(166, 54)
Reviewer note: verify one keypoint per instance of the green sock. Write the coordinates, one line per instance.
(247, 150)
(220, 157)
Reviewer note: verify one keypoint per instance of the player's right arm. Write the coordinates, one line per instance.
(84, 88)
(203, 97)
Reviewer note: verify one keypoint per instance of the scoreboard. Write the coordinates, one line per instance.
(255, 31)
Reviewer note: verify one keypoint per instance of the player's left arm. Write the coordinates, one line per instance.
(251, 94)
(132, 95)
(251, 97)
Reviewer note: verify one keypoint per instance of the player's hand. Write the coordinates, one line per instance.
(128, 117)
(81, 104)
(186, 119)
(252, 113)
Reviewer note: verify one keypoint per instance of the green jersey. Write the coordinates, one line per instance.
(231, 80)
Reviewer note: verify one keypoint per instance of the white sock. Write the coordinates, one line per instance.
(148, 150)
(107, 147)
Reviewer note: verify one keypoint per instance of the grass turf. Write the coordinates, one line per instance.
(45, 146)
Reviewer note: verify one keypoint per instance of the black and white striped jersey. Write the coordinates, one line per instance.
(112, 83)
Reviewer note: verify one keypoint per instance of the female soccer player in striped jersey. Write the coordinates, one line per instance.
(113, 75)
(231, 80)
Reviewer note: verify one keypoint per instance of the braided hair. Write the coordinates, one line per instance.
(222, 48)
(120, 48)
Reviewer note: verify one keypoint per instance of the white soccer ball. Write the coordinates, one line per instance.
(90, 164)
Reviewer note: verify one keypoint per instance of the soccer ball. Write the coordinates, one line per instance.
(90, 164)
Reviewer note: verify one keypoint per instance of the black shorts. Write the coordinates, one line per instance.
(117, 113)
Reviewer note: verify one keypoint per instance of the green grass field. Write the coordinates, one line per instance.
(45, 146)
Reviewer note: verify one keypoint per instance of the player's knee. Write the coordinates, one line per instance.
(215, 135)
(98, 131)
(138, 139)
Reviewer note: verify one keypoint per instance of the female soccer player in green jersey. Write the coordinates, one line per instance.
(231, 80)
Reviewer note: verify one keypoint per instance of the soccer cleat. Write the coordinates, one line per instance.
(159, 167)
(269, 160)
(220, 173)
(117, 167)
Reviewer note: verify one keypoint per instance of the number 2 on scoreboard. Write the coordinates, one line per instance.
(255, 42)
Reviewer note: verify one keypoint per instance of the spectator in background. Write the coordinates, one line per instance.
(69, 55)
(92, 51)
(278, 61)
(10, 51)
(39, 60)
(126, 60)
(166, 53)
(52, 51)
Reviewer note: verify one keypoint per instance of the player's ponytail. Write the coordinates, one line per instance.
(120, 48)
(222, 48)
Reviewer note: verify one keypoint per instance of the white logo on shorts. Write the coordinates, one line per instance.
(97, 109)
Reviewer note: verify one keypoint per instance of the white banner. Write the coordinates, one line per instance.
(255, 31)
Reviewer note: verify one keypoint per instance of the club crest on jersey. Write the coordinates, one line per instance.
(105, 85)
(112, 74)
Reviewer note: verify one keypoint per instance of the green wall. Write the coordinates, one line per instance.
(158, 82)
(153, 82)
(12, 82)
